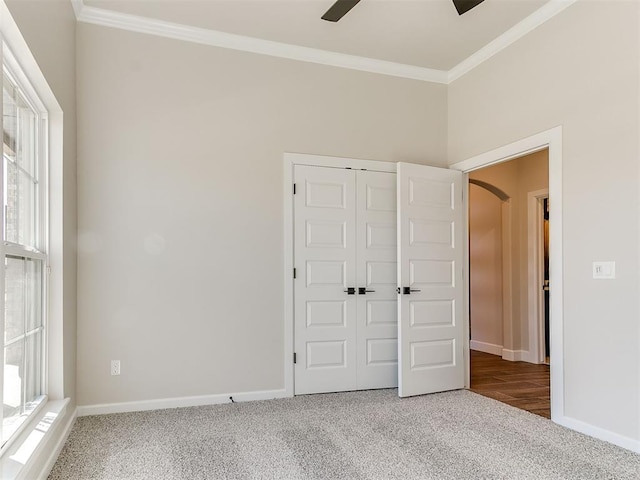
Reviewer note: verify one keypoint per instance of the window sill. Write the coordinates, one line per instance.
(35, 449)
(22, 422)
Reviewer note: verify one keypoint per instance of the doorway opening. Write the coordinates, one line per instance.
(508, 282)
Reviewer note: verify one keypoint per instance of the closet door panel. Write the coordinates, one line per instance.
(376, 272)
(430, 256)
(325, 260)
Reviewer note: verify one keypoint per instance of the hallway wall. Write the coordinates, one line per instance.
(485, 273)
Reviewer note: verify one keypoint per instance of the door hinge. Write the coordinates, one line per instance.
(295, 357)
(294, 273)
(294, 188)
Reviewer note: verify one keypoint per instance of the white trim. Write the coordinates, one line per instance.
(599, 433)
(515, 33)
(289, 160)
(485, 347)
(23, 59)
(22, 81)
(535, 305)
(507, 275)
(27, 423)
(22, 62)
(55, 319)
(504, 154)
(514, 355)
(178, 402)
(529, 357)
(289, 340)
(77, 5)
(18, 251)
(176, 31)
(556, 275)
(466, 281)
(37, 441)
(134, 23)
(47, 465)
(340, 162)
(34, 452)
(551, 139)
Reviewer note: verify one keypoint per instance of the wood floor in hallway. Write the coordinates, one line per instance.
(523, 385)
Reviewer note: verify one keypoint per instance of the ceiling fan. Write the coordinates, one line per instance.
(342, 7)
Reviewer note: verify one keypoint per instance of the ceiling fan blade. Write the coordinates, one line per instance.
(463, 6)
(339, 10)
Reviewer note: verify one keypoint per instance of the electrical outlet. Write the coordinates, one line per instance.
(115, 367)
(604, 270)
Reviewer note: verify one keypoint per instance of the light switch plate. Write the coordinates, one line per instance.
(604, 270)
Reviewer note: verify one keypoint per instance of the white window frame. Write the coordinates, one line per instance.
(13, 70)
(32, 451)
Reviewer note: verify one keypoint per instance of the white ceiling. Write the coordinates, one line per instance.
(424, 33)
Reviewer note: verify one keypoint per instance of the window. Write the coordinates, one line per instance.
(24, 227)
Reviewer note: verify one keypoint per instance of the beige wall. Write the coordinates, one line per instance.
(181, 201)
(49, 28)
(516, 178)
(171, 131)
(578, 70)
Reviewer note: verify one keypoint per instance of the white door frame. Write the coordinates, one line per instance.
(507, 280)
(551, 139)
(535, 248)
(290, 160)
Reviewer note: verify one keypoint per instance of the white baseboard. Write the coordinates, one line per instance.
(599, 433)
(178, 402)
(485, 347)
(527, 356)
(514, 355)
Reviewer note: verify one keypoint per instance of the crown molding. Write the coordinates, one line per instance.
(77, 5)
(515, 33)
(134, 23)
(176, 31)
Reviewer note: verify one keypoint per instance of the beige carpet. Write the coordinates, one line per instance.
(358, 435)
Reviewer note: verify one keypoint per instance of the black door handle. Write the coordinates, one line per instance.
(350, 291)
(364, 291)
(408, 290)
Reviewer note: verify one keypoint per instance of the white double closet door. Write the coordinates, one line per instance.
(346, 326)
(372, 248)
